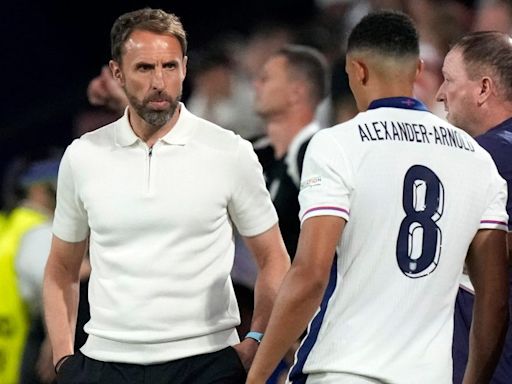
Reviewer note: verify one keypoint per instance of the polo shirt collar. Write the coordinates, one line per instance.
(182, 131)
(178, 135)
(124, 132)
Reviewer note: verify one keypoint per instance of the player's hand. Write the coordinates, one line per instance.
(246, 351)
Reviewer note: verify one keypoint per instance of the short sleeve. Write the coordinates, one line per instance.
(250, 206)
(495, 215)
(326, 182)
(70, 222)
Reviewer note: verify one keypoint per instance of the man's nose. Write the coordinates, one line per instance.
(440, 94)
(157, 81)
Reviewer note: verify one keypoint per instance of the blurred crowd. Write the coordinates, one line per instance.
(234, 82)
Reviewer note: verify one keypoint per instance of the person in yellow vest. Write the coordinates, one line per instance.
(3, 220)
(38, 183)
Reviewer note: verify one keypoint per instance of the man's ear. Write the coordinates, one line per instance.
(298, 91)
(360, 70)
(116, 71)
(486, 89)
(419, 68)
(185, 61)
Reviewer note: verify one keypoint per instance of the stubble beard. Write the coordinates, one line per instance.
(154, 118)
(460, 121)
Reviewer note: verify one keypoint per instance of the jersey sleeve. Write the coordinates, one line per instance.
(495, 215)
(326, 181)
(70, 222)
(250, 206)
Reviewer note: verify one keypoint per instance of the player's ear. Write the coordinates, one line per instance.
(360, 70)
(116, 71)
(419, 68)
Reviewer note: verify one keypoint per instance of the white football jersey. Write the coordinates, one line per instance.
(414, 191)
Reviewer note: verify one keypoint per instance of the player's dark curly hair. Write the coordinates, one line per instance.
(390, 33)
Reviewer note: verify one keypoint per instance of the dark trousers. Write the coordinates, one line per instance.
(222, 367)
(460, 349)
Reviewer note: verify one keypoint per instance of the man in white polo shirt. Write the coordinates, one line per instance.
(392, 202)
(158, 192)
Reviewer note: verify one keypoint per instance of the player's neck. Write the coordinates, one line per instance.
(384, 90)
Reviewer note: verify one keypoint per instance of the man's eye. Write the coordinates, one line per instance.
(144, 67)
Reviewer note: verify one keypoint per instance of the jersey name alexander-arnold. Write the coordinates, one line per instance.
(397, 131)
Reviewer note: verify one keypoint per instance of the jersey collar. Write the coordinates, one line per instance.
(398, 102)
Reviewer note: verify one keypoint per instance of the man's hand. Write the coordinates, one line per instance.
(44, 364)
(246, 351)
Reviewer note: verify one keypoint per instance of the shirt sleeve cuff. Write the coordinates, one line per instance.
(493, 224)
(342, 212)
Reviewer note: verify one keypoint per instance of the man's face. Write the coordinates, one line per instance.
(273, 87)
(458, 93)
(151, 73)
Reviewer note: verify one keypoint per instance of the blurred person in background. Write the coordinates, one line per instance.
(477, 95)
(430, 78)
(37, 362)
(441, 23)
(221, 93)
(288, 91)
(494, 15)
(265, 39)
(291, 85)
(37, 183)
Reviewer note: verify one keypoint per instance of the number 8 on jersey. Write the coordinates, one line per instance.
(418, 246)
